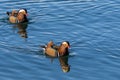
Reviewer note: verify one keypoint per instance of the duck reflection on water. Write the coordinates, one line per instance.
(64, 63)
(22, 29)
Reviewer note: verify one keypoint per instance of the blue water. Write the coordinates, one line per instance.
(91, 26)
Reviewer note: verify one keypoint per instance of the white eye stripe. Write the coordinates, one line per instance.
(64, 43)
(22, 10)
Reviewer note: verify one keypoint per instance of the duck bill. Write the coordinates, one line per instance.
(68, 46)
(26, 14)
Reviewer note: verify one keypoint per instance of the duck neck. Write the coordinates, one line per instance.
(63, 51)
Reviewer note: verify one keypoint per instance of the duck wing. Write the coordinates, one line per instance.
(51, 52)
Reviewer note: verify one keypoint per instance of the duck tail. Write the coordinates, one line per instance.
(8, 13)
(43, 46)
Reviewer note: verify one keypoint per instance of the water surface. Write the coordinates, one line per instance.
(91, 27)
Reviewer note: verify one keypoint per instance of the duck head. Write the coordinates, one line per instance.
(66, 44)
(23, 11)
(22, 15)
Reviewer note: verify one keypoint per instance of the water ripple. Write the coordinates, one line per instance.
(91, 27)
